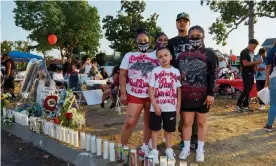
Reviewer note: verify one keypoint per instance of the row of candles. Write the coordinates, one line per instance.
(88, 142)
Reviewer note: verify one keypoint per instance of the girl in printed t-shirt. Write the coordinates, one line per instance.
(165, 95)
(135, 72)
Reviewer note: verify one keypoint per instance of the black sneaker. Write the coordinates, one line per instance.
(102, 105)
(238, 109)
(247, 109)
(113, 105)
(268, 128)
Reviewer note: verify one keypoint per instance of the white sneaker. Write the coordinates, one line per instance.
(150, 144)
(200, 155)
(169, 153)
(155, 156)
(145, 149)
(185, 152)
(261, 107)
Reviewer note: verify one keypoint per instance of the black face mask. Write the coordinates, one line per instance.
(196, 42)
(143, 47)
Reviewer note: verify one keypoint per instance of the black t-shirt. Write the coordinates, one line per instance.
(245, 55)
(178, 45)
(197, 68)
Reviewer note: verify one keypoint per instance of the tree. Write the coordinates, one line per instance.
(100, 58)
(234, 13)
(19, 45)
(75, 23)
(120, 30)
(6, 46)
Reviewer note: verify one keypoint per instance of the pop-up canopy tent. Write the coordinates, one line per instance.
(268, 43)
(23, 56)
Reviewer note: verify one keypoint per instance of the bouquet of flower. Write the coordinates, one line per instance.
(5, 98)
(7, 121)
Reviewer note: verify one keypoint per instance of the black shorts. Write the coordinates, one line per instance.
(168, 118)
(202, 109)
(9, 83)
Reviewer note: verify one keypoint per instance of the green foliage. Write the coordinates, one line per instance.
(234, 13)
(100, 58)
(75, 23)
(120, 30)
(7, 46)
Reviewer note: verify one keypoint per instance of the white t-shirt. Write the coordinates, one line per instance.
(87, 68)
(139, 66)
(165, 82)
(58, 76)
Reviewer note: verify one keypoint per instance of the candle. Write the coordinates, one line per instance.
(4, 112)
(88, 141)
(111, 151)
(61, 133)
(163, 161)
(99, 146)
(67, 136)
(26, 120)
(82, 139)
(64, 136)
(71, 136)
(183, 163)
(93, 144)
(105, 148)
(51, 129)
(171, 162)
(76, 139)
(57, 132)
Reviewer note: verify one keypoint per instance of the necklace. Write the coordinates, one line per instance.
(181, 41)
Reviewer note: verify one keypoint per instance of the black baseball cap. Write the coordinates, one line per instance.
(183, 15)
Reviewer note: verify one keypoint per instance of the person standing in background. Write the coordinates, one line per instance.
(271, 56)
(9, 75)
(248, 66)
(180, 44)
(260, 74)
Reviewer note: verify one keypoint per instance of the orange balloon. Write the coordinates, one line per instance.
(233, 58)
(52, 39)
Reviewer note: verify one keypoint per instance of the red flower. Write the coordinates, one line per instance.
(50, 102)
(69, 115)
(56, 121)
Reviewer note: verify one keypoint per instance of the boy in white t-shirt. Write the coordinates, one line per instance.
(165, 95)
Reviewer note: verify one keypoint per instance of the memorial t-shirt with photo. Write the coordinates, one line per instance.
(165, 82)
(139, 66)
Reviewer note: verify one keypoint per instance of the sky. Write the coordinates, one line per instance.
(167, 10)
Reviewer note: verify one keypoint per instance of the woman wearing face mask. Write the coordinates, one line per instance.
(135, 72)
(197, 67)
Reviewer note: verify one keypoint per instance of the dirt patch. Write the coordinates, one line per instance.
(233, 138)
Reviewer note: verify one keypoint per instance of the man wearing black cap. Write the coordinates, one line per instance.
(248, 65)
(177, 45)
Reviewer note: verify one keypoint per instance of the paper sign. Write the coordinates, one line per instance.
(93, 97)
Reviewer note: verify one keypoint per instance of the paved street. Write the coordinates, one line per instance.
(15, 152)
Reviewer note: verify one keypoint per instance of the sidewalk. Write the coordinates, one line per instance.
(15, 152)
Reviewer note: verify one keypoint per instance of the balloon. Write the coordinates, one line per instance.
(233, 58)
(52, 39)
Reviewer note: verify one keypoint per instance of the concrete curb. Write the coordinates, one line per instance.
(58, 149)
